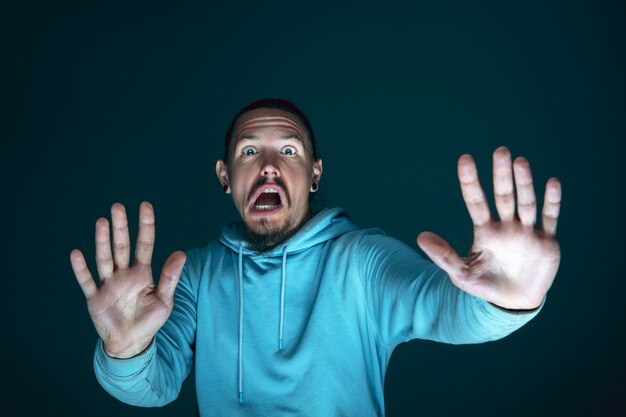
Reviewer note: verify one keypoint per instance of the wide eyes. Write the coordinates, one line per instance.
(249, 151)
(288, 150)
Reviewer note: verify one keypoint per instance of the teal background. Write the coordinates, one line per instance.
(129, 101)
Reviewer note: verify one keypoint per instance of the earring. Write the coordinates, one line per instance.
(225, 188)
(315, 186)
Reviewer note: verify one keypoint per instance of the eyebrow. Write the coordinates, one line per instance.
(285, 137)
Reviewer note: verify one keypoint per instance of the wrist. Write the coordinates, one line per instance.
(516, 310)
(129, 352)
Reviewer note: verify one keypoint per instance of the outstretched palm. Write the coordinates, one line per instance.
(511, 263)
(127, 309)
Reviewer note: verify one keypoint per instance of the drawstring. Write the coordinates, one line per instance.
(281, 320)
(241, 324)
(282, 300)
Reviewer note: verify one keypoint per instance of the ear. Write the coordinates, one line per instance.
(317, 170)
(222, 175)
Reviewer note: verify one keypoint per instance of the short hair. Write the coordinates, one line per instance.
(271, 103)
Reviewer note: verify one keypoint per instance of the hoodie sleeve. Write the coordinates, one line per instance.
(409, 297)
(155, 376)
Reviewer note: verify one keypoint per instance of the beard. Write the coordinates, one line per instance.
(268, 237)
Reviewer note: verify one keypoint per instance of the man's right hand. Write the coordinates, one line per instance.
(127, 309)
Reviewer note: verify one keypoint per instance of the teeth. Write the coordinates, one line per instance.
(264, 207)
(270, 190)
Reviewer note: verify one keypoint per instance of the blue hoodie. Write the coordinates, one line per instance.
(306, 329)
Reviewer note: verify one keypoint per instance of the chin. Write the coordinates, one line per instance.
(266, 226)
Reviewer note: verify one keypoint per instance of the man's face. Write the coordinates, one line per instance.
(270, 171)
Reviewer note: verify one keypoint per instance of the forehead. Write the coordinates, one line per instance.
(268, 118)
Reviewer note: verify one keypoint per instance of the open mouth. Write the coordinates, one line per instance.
(268, 200)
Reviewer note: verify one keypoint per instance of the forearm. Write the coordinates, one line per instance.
(411, 298)
(154, 377)
(472, 320)
(151, 379)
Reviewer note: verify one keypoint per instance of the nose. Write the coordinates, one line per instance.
(269, 167)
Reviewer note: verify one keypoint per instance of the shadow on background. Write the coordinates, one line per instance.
(129, 102)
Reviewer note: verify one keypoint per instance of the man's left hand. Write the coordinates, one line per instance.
(511, 263)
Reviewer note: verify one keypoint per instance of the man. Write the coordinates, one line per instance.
(297, 313)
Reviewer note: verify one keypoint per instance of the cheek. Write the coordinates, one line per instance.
(302, 187)
(238, 174)
(238, 186)
(300, 173)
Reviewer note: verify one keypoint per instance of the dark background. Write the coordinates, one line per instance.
(129, 101)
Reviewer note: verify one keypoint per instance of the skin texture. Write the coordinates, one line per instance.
(270, 147)
(127, 309)
(512, 263)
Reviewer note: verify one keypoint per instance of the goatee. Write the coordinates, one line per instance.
(270, 238)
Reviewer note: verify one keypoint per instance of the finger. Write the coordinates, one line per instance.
(83, 276)
(526, 201)
(121, 240)
(104, 261)
(472, 191)
(551, 206)
(442, 254)
(170, 276)
(145, 236)
(503, 184)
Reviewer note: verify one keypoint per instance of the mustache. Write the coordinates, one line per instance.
(262, 181)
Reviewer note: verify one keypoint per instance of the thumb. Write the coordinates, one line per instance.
(442, 254)
(170, 275)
